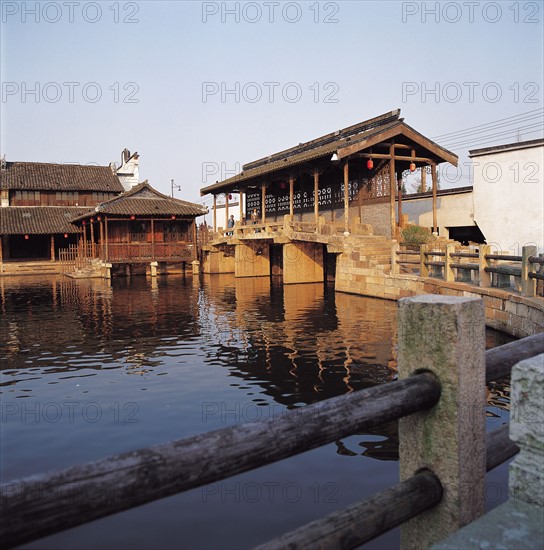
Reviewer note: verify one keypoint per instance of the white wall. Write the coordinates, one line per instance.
(509, 198)
(451, 211)
(131, 170)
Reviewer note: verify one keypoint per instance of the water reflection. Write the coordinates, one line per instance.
(164, 359)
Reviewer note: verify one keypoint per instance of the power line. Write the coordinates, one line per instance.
(461, 137)
(445, 136)
(512, 132)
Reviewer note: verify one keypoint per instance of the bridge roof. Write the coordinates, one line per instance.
(346, 142)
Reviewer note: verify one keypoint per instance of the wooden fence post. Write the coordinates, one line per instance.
(484, 276)
(528, 286)
(448, 260)
(395, 247)
(423, 270)
(446, 336)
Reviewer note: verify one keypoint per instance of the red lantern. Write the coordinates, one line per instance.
(27, 237)
(282, 185)
(412, 166)
(98, 218)
(66, 235)
(173, 217)
(84, 222)
(133, 217)
(370, 164)
(230, 197)
(92, 220)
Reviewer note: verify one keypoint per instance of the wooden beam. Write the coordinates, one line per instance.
(291, 195)
(392, 181)
(263, 203)
(433, 176)
(152, 240)
(442, 155)
(101, 228)
(397, 157)
(316, 196)
(399, 201)
(346, 195)
(106, 256)
(214, 213)
(92, 239)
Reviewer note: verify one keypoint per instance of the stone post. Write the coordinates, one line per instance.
(528, 286)
(446, 336)
(196, 267)
(526, 475)
(154, 268)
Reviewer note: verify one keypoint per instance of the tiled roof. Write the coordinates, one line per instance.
(316, 148)
(38, 220)
(507, 147)
(42, 176)
(340, 142)
(143, 200)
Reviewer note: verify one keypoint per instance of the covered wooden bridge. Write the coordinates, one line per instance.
(315, 195)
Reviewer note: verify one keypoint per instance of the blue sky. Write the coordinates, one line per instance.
(149, 76)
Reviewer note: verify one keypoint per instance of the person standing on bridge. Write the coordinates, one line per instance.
(230, 224)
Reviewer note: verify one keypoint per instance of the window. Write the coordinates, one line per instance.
(67, 198)
(26, 198)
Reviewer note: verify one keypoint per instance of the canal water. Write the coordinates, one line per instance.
(90, 369)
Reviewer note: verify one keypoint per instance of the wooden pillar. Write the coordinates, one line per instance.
(433, 176)
(346, 196)
(106, 255)
(101, 227)
(291, 195)
(52, 251)
(423, 179)
(263, 203)
(392, 181)
(92, 239)
(214, 213)
(1, 248)
(316, 197)
(226, 210)
(241, 205)
(359, 198)
(399, 201)
(152, 240)
(195, 249)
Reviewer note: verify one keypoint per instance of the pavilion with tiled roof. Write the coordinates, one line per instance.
(142, 225)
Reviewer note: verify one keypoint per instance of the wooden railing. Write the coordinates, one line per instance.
(77, 256)
(126, 252)
(43, 504)
(473, 265)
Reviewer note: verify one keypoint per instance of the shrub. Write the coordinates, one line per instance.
(415, 234)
